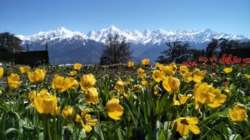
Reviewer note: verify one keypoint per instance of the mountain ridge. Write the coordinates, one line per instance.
(66, 46)
(136, 36)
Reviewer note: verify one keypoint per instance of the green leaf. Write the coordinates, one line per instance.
(98, 130)
(162, 135)
(11, 130)
(119, 134)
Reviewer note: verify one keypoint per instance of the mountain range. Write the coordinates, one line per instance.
(66, 46)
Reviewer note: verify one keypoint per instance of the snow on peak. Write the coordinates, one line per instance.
(153, 37)
(57, 34)
(111, 28)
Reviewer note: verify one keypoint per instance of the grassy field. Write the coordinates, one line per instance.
(162, 102)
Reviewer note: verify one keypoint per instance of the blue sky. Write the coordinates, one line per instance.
(31, 16)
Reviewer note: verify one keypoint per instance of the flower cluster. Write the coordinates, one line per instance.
(132, 101)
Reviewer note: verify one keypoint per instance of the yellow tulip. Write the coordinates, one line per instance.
(90, 120)
(32, 95)
(77, 66)
(85, 111)
(144, 82)
(202, 94)
(67, 111)
(207, 94)
(158, 75)
(198, 75)
(58, 83)
(45, 103)
(187, 77)
(1, 72)
(228, 70)
(131, 64)
(145, 61)
(91, 95)
(88, 123)
(159, 66)
(182, 99)
(114, 109)
(87, 128)
(38, 75)
(218, 98)
(72, 73)
(62, 84)
(24, 69)
(87, 81)
(78, 118)
(141, 73)
(14, 81)
(119, 86)
(171, 84)
(238, 113)
(169, 69)
(186, 124)
(71, 83)
(183, 69)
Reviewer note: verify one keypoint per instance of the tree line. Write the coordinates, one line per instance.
(117, 49)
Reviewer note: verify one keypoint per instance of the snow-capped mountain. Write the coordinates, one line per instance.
(144, 37)
(66, 46)
(57, 34)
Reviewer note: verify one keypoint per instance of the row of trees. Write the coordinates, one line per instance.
(224, 46)
(117, 50)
